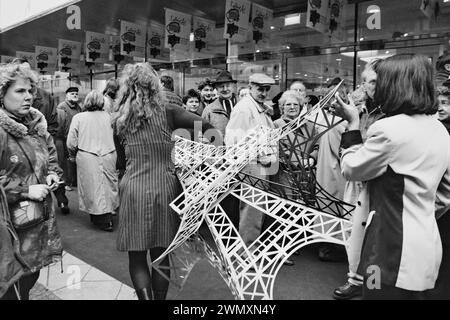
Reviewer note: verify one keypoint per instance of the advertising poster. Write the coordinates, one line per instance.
(29, 56)
(237, 15)
(336, 19)
(46, 59)
(132, 39)
(97, 47)
(261, 22)
(7, 59)
(155, 42)
(317, 15)
(203, 33)
(69, 53)
(178, 30)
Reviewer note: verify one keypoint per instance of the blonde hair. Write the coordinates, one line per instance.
(140, 96)
(94, 101)
(11, 72)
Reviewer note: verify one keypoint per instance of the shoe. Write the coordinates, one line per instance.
(108, 227)
(289, 263)
(144, 294)
(64, 209)
(332, 253)
(347, 291)
(68, 188)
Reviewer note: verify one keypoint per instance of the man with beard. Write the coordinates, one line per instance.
(66, 111)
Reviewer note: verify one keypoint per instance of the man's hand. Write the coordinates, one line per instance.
(38, 192)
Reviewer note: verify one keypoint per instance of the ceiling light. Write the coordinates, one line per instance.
(287, 47)
(191, 37)
(406, 34)
(306, 74)
(338, 59)
(361, 39)
(292, 19)
(272, 27)
(258, 51)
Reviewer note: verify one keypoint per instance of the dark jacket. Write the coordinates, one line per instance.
(65, 113)
(39, 245)
(216, 115)
(45, 103)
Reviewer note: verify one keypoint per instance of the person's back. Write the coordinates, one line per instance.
(95, 133)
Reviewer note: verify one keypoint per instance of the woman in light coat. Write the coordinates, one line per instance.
(91, 141)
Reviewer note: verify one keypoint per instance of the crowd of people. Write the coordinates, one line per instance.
(390, 157)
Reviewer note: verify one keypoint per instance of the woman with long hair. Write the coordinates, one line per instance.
(406, 163)
(144, 123)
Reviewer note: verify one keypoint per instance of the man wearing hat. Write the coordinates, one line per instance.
(66, 111)
(249, 113)
(218, 113)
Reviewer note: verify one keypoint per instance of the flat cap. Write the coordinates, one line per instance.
(72, 89)
(262, 79)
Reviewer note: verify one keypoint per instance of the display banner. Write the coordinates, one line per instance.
(237, 15)
(132, 39)
(203, 32)
(46, 59)
(178, 29)
(97, 47)
(317, 15)
(115, 48)
(336, 19)
(29, 56)
(69, 53)
(428, 7)
(261, 21)
(7, 59)
(155, 41)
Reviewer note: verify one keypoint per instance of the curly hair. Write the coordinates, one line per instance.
(139, 98)
(192, 93)
(11, 72)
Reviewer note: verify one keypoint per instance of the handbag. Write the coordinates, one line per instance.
(29, 213)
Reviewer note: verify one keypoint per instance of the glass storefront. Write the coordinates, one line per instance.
(291, 50)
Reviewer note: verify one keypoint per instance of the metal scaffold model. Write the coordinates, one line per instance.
(302, 215)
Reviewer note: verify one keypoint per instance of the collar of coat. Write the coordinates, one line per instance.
(35, 121)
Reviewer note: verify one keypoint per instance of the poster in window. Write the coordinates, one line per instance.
(69, 53)
(261, 22)
(132, 39)
(316, 16)
(46, 59)
(178, 30)
(156, 50)
(28, 56)
(336, 19)
(237, 15)
(7, 59)
(97, 47)
(203, 33)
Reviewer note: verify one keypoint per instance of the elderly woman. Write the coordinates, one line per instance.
(145, 122)
(91, 141)
(29, 170)
(406, 163)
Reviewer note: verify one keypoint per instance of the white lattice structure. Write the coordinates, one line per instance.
(209, 174)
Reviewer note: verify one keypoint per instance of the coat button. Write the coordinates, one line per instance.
(359, 203)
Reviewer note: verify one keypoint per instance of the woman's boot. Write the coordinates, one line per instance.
(144, 294)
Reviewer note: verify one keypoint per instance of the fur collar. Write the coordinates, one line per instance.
(34, 122)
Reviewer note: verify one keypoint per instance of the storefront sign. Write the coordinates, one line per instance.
(374, 20)
(29, 56)
(46, 59)
(237, 15)
(178, 30)
(261, 22)
(69, 56)
(7, 59)
(74, 20)
(203, 32)
(132, 39)
(97, 47)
